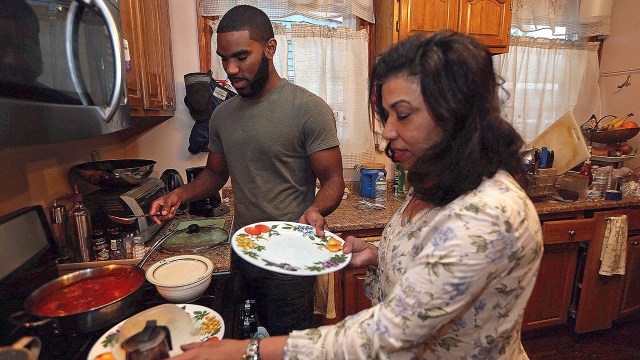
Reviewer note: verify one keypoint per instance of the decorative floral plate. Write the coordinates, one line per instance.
(208, 323)
(290, 248)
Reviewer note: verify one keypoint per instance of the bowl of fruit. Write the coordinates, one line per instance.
(614, 131)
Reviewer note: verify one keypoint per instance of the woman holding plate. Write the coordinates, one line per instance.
(458, 261)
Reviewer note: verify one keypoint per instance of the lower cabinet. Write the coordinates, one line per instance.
(354, 297)
(551, 296)
(630, 296)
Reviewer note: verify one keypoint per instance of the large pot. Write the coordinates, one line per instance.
(113, 173)
(89, 320)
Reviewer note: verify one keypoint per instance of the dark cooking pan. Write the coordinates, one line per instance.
(91, 319)
(114, 173)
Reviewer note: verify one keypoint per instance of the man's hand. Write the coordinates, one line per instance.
(362, 253)
(167, 205)
(313, 217)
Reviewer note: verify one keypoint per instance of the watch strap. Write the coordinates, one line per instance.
(252, 350)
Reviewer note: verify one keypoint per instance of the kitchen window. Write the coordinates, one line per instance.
(325, 57)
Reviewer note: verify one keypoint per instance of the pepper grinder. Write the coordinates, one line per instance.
(80, 220)
(59, 219)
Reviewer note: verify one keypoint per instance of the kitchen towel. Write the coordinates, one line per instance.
(323, 297)
(614, 246)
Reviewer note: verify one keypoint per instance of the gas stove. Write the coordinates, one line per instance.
(32, 265)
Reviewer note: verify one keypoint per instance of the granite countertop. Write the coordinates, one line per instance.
(349, 217)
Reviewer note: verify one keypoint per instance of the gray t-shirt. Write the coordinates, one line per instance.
(266, 143)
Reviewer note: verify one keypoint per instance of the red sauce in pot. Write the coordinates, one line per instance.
(88, 293)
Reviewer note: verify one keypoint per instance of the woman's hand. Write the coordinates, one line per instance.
(211, 350)
(362, 253)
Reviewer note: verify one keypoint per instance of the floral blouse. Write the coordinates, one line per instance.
(451, 284)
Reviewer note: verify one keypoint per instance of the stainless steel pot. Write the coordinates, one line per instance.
(113, 173)
(89, 320)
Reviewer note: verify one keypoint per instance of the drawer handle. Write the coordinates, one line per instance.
(634, 243)
(572, 234)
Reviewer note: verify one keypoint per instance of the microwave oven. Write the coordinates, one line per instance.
(61, 71)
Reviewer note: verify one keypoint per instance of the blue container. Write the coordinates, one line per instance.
(368, 181)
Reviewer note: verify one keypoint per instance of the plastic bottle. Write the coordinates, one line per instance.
(138, 247)
(381, 189)
(80, 223)
(128, 244)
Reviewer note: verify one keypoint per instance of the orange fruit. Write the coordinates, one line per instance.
(625, 149)
(628, 125)
(252, 231)
(334, 248)
(263, 228)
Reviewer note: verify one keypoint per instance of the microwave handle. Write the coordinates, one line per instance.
(70, 27)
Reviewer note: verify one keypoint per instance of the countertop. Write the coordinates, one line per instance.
(349, 217)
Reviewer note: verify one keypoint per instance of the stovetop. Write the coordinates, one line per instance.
(219, 297)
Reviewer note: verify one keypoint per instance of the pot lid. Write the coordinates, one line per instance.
(195, 238)
(179, 270)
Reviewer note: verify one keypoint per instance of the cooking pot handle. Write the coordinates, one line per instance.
(13, 318)
(155, 245)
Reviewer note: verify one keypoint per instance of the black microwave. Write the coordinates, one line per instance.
(61, 71)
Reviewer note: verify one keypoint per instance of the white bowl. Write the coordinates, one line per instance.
(181, 278)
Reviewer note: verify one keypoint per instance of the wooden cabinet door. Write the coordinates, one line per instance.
(150, 82)
(549, 301)
(427, 16)
(150, 20)
(131, 32)
(354, 297)
(487, 20)
(630, 297)
(168, 82)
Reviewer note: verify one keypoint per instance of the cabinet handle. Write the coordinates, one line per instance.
(572, 234)
(634, 243)
(168, 104)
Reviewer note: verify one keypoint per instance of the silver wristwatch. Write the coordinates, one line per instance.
(252, 350)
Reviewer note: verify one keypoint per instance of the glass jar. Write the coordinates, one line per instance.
(116, 248)
(138, 247)
(100, 248)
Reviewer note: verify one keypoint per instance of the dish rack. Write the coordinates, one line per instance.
(542, 183)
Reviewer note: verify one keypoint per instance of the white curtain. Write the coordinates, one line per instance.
(332, 63)
(315, 9)
(279, 58)
(561, 16)
(545, 78)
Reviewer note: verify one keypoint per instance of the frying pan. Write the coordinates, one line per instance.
(92, 319)
(114, 173)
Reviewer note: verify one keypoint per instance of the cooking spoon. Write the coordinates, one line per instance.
(131, 219)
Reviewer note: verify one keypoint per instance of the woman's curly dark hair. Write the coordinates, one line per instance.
(459, 86)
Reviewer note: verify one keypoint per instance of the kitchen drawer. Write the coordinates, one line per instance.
(557, 232)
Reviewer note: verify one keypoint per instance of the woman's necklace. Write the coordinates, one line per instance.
(413, 208)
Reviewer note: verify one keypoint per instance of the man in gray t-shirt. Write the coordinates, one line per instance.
(275, 140)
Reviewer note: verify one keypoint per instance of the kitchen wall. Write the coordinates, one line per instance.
(620, 58)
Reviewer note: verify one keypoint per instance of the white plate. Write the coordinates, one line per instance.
(289, 248)
(208, 322)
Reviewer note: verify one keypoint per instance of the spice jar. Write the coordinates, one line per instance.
(100, 247)
(116, 247)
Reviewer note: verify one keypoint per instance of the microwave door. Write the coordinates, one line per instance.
(85, 21)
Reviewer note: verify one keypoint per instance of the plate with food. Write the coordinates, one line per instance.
(290, 248)
(187, 323)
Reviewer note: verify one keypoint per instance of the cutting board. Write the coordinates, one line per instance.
(566, 140)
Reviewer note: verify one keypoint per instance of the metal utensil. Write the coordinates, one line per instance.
(130, 219)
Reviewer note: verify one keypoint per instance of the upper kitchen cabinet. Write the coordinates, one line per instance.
(487, 20)
(150, 81)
